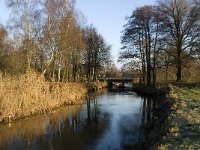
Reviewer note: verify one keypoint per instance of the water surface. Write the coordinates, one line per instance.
(109, 121)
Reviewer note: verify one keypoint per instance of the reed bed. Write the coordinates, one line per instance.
(30, 94)
(97, 85)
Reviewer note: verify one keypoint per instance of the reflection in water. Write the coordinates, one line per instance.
(105, 121)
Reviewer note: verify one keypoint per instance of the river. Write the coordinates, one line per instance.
(106, 121)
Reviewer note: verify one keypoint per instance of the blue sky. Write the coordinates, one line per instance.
(108, 16)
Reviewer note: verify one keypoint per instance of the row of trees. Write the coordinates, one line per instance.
(157, 38)
(50, 36)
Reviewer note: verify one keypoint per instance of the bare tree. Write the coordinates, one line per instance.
(142, 41)
(181, 19)
(22, 25)
(97, 53)
(49, 36)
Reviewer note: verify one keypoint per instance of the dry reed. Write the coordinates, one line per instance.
(96, 85)
(30, 95)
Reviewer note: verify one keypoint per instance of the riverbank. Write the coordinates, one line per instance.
(157, 127)
(184, 121)
(95, 86)
(103, 119)
(30, 95)
(151, 90)
(178, 125)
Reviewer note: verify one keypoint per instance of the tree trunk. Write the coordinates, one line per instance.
(154, 77)
(148, 54)
(148, 65)
(142, 58)
(95, 72)
(51, 63)
(53, 71)
(143, 72)
(179, 67)
(59, 73)
(179, 63)
(148, 72)
(166, 73)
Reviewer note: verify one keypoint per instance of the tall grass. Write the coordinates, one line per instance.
(30, 95)
(97, 85)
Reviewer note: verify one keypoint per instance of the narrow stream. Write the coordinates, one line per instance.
(106, 121)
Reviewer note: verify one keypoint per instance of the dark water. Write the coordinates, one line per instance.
(109, 121)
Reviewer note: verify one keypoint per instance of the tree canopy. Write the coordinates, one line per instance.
(51, 37)
(162, 38)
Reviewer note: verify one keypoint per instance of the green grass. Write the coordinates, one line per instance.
(184, 121)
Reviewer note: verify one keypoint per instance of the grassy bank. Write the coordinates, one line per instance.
(151, 90)
(30, 94)
(184, 121)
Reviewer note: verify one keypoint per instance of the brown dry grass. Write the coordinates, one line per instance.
(97, 85)
(31, 95)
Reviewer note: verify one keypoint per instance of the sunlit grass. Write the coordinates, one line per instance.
(184, 122)
(97, 85)
(30, 95)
